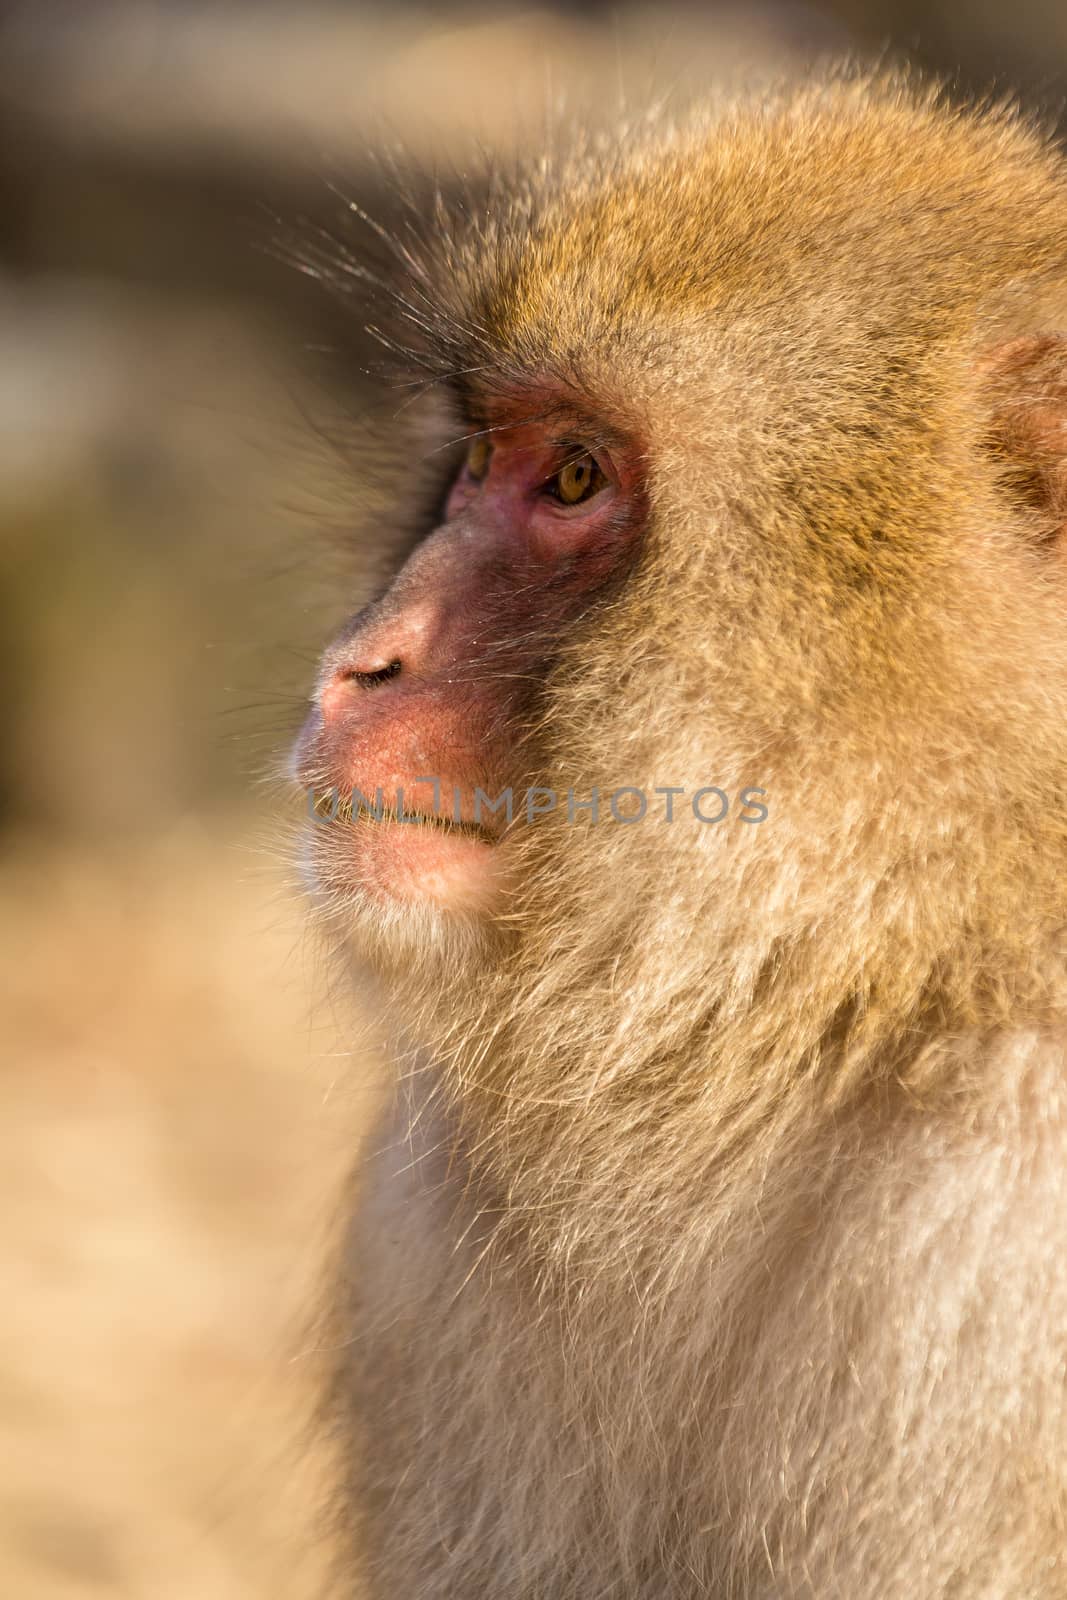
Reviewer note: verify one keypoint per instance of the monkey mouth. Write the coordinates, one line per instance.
(415, 858)
(331, 806)
(446, 825)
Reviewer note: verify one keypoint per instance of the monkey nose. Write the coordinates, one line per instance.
(352, 679)
(378, 645)
(370, 677)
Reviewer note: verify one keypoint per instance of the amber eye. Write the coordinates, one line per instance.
(478, 454)
(577, 480)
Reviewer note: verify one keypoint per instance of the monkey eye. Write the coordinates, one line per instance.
(579, 479)
(478, 453)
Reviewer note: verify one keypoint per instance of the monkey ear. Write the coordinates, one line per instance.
(1025, 380)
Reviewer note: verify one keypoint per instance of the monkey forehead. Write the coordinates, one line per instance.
(867, 192)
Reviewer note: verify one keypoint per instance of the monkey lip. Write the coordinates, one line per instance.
(451, 865)
(338, 808)
(469, 830)
(417, 859)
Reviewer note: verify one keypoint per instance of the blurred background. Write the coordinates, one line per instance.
(179, 1090)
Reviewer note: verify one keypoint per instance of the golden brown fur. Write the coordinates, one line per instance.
(716, 1243)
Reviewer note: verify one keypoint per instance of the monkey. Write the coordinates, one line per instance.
(713, 1240)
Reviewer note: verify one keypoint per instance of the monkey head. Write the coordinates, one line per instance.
(762, 484)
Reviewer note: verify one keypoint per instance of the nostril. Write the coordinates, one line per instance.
(370, 680)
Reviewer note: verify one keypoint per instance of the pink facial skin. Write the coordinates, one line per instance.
(433, 680)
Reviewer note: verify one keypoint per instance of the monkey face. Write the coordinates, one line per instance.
(425, 703)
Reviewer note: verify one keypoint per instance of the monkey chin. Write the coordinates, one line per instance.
(400, 893)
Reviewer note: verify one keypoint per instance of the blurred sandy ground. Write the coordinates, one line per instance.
(164, 1166)
(179, 1096)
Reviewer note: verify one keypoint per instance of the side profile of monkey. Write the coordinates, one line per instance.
(715, 1243)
